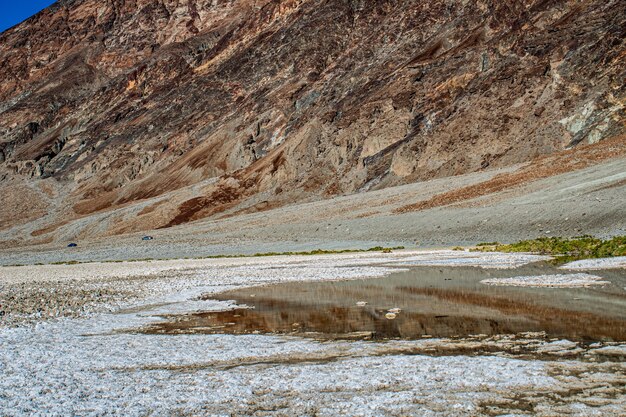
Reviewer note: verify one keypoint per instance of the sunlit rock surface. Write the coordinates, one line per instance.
(248, 105)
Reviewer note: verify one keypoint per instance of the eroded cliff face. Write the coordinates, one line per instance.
(207, 107)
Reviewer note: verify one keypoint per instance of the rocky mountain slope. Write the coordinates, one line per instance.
(180, 110)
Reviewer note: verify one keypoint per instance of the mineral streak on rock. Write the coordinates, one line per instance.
(111, 103)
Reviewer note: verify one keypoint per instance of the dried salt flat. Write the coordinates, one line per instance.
(98, 271)
(95, 369)
(492, 260)
(91, 366)
(602, 263)
(558, 281)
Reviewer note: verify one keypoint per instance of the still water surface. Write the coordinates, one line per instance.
(421, 302)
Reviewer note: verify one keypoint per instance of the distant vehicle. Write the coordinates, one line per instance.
(72, 245)
(147, 238)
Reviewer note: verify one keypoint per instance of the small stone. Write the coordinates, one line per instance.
(361, 303)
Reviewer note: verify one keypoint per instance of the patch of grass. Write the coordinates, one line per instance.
(488, 244)
(66, 263)
(321, 252)
(582, 247)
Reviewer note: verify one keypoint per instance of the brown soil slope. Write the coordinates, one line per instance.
(111, 104)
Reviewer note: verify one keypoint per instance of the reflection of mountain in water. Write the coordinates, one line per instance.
(441, 302)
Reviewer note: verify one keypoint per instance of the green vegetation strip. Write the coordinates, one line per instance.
(582, 247)
(256, 255)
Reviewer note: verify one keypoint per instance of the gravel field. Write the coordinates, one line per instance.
(587, 201)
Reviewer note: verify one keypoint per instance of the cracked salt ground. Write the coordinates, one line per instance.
(129, 375)
(98, 364)
(62, 372)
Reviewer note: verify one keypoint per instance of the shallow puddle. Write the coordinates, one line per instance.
(422, 302)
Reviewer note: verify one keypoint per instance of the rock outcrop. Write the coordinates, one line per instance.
(196, 108)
